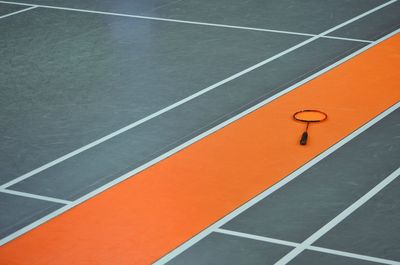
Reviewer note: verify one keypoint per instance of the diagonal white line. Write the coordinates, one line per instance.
(359, 16)
(255, 237)
(187, 99)
(19, 11)
(354, 255)
(179, 21)
(352, 39)
(339, 218)
(34, 196)
(313, 248)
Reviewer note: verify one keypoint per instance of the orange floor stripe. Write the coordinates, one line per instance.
(148, 215)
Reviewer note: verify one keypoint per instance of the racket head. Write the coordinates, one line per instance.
(310, 115)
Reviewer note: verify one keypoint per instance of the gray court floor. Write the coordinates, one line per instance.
(91, 90)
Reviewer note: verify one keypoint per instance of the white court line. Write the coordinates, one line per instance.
(182, 21)
(201, 136)
(343, 38)
(255, 237)
(354, 255)
(191, 97)
(35, 196)
(19, 11)
(318, 249)
(272, 189)
(339, 218)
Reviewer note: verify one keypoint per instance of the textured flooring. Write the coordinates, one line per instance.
(197, 96)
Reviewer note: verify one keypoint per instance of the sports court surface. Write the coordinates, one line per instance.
(161, 132)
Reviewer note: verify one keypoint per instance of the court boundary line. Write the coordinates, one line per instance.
(256, 237)
(339, 218)
(182, 21)
(202, 234)
(34, 196)
(353, 255)
(195, 95)
(346, 39)
(313, 248)
(19, 11)
(195, 139)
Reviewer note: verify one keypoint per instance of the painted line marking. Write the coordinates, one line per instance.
(203, 135)
(19, 11)
(339, 218)
(313, 248)
(354, 255)
(347, 39)
(35, 196)
(193, 96)
(273, 188)
(183, 21)
(255, 237)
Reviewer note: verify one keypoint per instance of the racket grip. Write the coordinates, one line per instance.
(303, 140)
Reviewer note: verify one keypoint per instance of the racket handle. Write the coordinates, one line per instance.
(303, 140)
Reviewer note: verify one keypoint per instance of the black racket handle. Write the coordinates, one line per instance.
(303, 140)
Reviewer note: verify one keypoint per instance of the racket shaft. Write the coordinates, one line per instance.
(304, 137)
